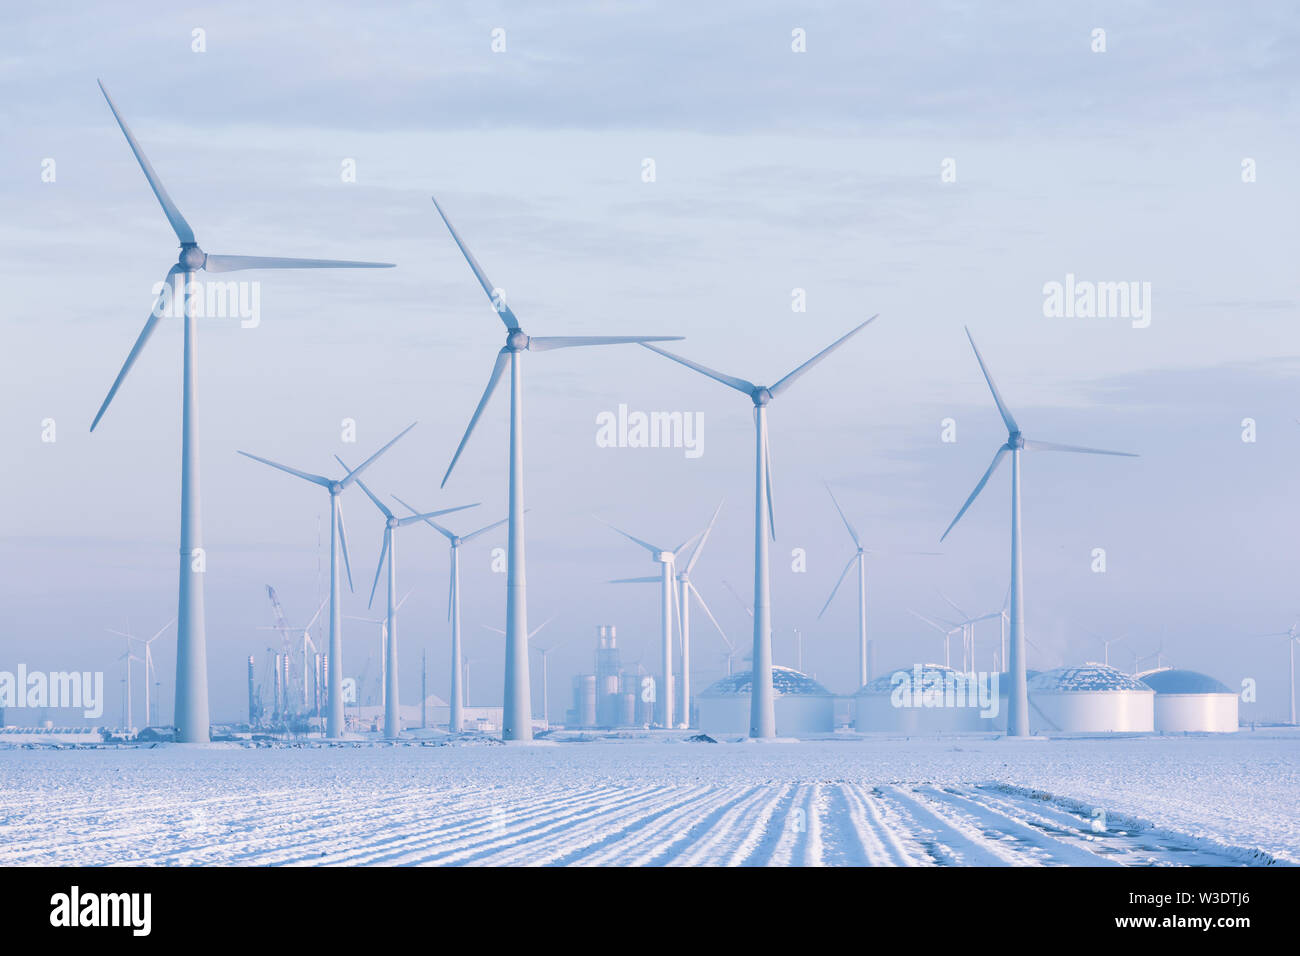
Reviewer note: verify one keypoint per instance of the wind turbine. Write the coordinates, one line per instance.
(1106, 642)
(128, 657)
(1018, 696)
(338, 543)
(1292, 634)
(685, 589)
(545, 652)
(456, 723)
(667, 558)
(191, 717)
(860, 558)
(392, 717)
(516, 722)
(149, 669)
(762, 712)
(946, 628)
(967, 624)
(383, 623)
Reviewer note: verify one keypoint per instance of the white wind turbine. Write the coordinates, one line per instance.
(967, 624)
(457, 717)
(685, 590)
(762, 716)
(392, 718)
(191, 709)
(860, 558)
(1018, 698)
(667, 558)
(1292, 634)
(128, 658)
(516, 722)
(150, 673)
(384, 663)
(946, 628)
(338, 544)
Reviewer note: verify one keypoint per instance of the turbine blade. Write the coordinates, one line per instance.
(934, 624)
(852, 533)
(343, 540)
(314, 617)
(369, 494)
(502, 357)
(771, 507)
(695, 555)
(1007, 418)
(645, 544)
(953, 604)
(481, 531)
(305, 475)
(538, 343)
(537, 630)
(218, 263)
(403, 522)
(649, 579)
(836, 589)
(709, 614)
(160, 631)
(789, 380)
(1053, 446)
(445, 532)
(383, 553)
(399, 604)
(352, 475)
(739, 384)
(498, 301)
(997, 458)
(686, 544)
(182, 228)
(149, 325)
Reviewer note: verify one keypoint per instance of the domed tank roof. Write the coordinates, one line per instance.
(785, 681)
(1087, 677)
(931, 675)
(1170, 680)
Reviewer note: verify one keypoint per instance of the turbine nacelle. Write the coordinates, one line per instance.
(516, 340)
(192, 257)
(1015, 441)
(762, 395)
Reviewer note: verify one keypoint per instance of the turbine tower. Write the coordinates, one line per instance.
(762, 712)
(1292, 634)
(338, 544)
(667, 558)
(685, 588)
(392, 716)
(191, 709)
(516, 723)
(1018, 697)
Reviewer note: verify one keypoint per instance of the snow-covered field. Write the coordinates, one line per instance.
(854, 801)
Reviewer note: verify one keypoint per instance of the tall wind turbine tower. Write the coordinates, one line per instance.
(1018, 697)
(338, 546)
(516, 723)
(191, 710)
(762, 711)
(392, 715)
(456, 723)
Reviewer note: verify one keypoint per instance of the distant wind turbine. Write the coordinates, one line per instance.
(667, 558)
(150, 673)
(516, 721)
(860, 558)
(762, 710)
(392, 715)
(191, 710)
(1018, 697)
(685, 590)
(457, 718)
(1292, 634)
(384, 643)
(338, 544)
(545, 652)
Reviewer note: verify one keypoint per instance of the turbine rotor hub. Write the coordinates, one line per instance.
(1016, 441)
(336, 488)
(762, 395)
(516, 340)
(392, 522)
(192, 257)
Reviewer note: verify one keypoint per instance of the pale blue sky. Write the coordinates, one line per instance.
(775, 170)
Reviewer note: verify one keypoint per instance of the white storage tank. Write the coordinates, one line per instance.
(924, 699)
(802, 705)
(1188, 701)
(1092, 698)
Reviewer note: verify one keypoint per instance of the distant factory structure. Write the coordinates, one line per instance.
(615, 695)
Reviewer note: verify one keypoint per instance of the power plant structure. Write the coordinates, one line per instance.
(615, 695)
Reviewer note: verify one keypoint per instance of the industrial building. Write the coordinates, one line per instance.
(1191, 702)
(803, 706)
(925, 699)
(1092, 698)
(612, 696)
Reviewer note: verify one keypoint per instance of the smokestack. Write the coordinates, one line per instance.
(252, 694)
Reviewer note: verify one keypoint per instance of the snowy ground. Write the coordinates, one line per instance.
(879, 801)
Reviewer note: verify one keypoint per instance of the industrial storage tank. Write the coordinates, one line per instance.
(802, 705)
(1092, 698)
(926, 699)
(1188, 701)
